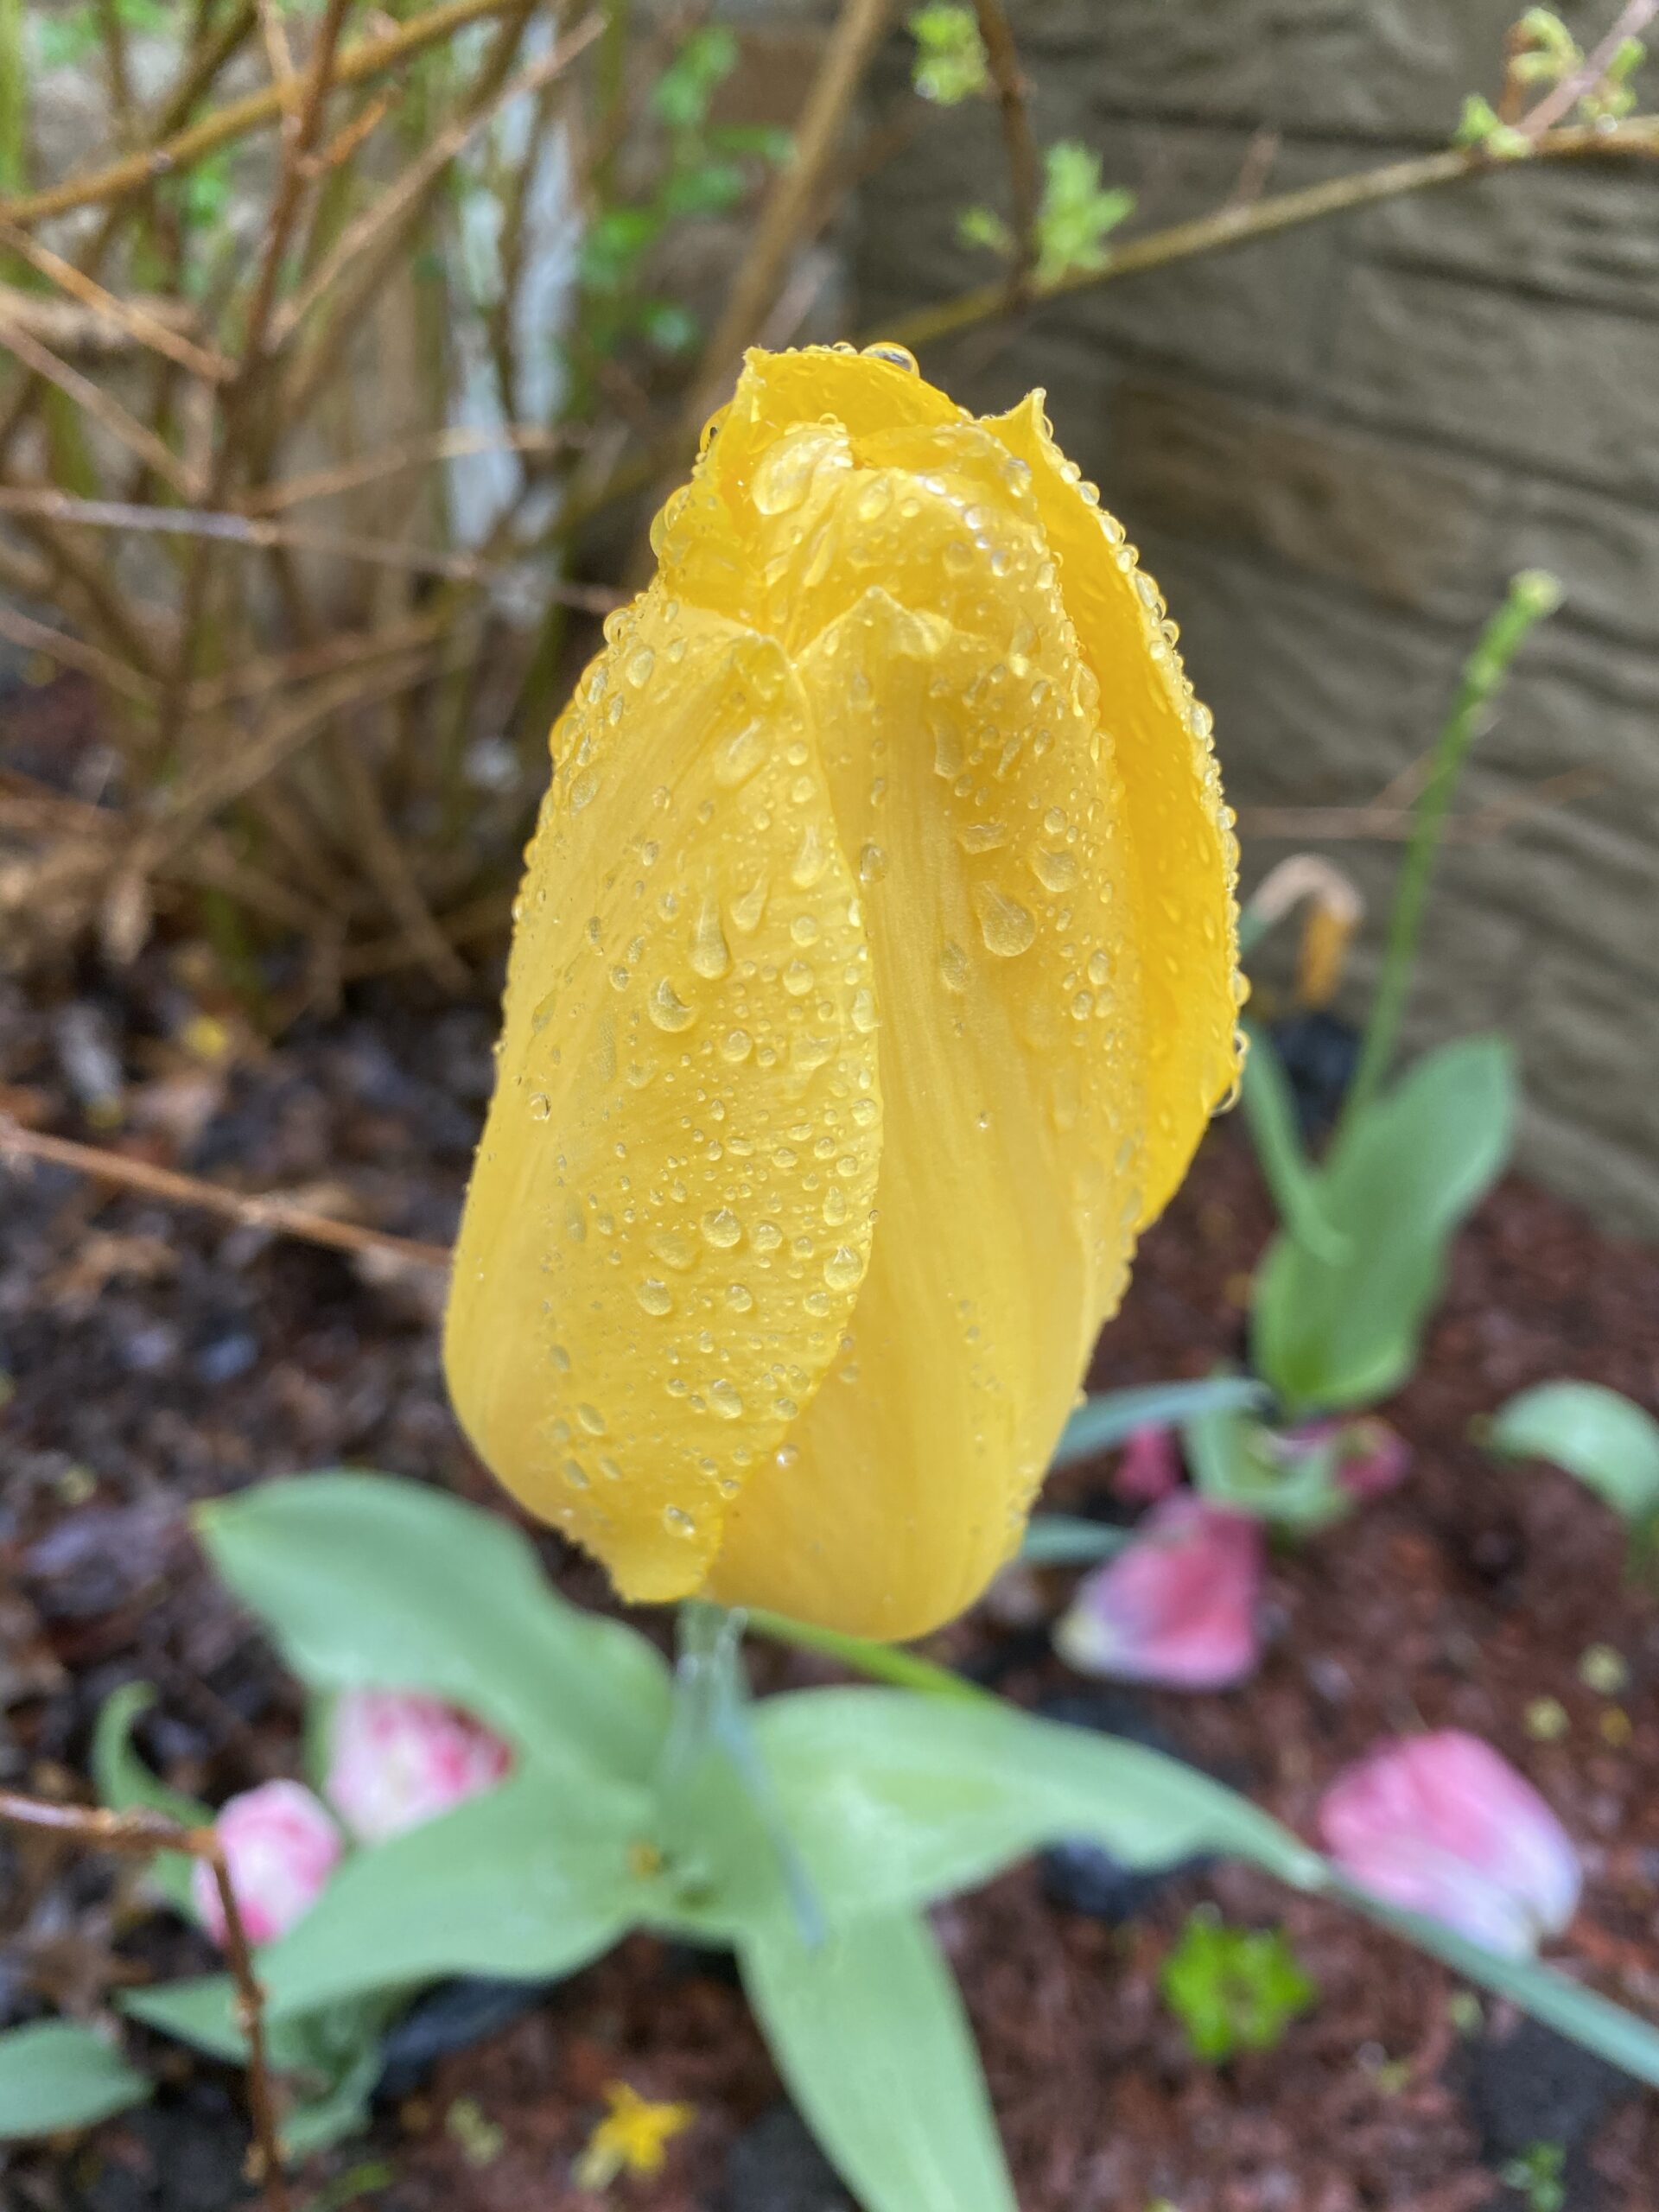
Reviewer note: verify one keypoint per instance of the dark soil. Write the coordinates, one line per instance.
(156, 1356)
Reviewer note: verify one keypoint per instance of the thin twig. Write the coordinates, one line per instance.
(268, 1210)
(20, 629)
(1234, 226)
(419, 452)
(392, 199)
(252, 531)
(126, 429)
(1560, 100)
(143, 1832)
(142, 327)
(370, 58)
(859, 29)
(1479, 826)
(1018, 142)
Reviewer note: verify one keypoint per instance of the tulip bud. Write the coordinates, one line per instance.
(280, 1849)
(873, 980)
(1177, 1607)
(1149, 1466)
(398, 1758)
(1441, 1824)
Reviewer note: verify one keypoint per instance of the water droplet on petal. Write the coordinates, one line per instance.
(1055, 870)
(872, 864)
(981, 836)
(900, 356)
(843, 1269)
(540, 1107)
(737, 757)
(724, 1401)
(862, 1013)
(710, 955)
(722, 1228)
(954, 966)
(679, 1524)
(674, 1248)
(655, 1296)
(1005, 924)
(668, 1009)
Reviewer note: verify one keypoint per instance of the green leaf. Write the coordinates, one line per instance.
(1076, 217)
(55, 2073)
(1270, 1116)
(868, 2031)
(530, 1881)
(951, 63)
(1329, 1336)
(1114, 1416)
(123, 1782)
(200, 2012)
(365, 1580)
(1065, 1540)
(1621, 2038)
(681, 95)
(895, 1800)
(1236, 1460)
(1611, 1444)
(319, 2122)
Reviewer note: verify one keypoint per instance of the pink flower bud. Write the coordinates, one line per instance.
(1177, 1607)
(280, 1846)
(398, 1758)
(1442, 1826)
(1149, 1466)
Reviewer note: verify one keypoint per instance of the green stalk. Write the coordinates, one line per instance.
(1532, 595)
(882, 1663)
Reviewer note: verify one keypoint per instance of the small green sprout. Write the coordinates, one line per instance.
(1538, 2178)
(951, 64)
(1076, 215)
(1234, 1989)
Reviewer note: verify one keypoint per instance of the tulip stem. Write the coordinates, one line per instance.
(882, 1663)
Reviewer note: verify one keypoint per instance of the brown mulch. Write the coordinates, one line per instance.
(154, 1358)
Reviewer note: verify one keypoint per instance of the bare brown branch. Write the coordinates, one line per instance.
(1019, 140)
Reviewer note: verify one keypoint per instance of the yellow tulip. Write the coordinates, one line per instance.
(873, 976)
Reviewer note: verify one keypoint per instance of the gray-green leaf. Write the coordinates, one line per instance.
(123, 1782)
(366, 1579)
(1609, 1443)
(55, 2073)
(867, 2029)
(1329, 1336)
(1113, 1416)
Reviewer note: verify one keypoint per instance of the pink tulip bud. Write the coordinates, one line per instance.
(1149, 1466)
(1442, 1826)
(280, 1847)
(1177, 1607)
(398, 1758)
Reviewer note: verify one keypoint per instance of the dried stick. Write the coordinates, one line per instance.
(268, 1212)
(859, 29)
(141, 1832)
(1019, 140)
(419, 452)
(355, 65)
(90, 660)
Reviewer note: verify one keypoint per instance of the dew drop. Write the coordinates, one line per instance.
(900, 356)
(736, 1046)
(740, 1296)
(798, 979)
(1055, 870)
(766, 1236)
(582, 789)
(668, 1009)
(746, 911)
(843, 1269)
(724, 1401)
(981, 836)
(738, 756)
(811, 860)
(575, 1474)
(710, 955)
(640, 668)
(722, 1228)
(872, 864)
(674, 1248)
(954, 966)
(592, 1419)
(787, 1455)
(862, 1013)
(1100, 968)
(540, 1107)
(678, 1522)
(1006, 926)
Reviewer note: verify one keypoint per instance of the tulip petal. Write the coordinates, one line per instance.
(671, 1209)
(1180, 830)
(959, 732)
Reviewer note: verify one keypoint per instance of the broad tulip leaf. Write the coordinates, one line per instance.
(895, 1800)
(1270, 1116)
(55, 2073)
(1065, 1540)
(1622, 2039)
(123, 1782)
(1236, 1460)
(365, 1580)
(1609, 1443)
(530, 1881)
(868, 2031)
(1330, 1335)
(1115, 1415)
